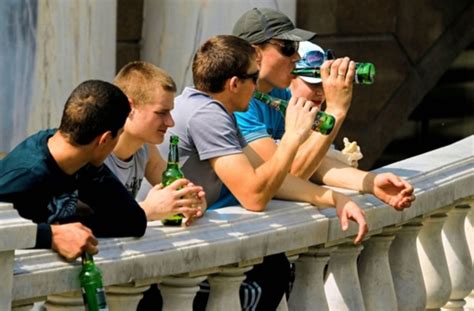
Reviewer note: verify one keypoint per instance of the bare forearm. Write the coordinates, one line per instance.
(335, 173)
(311, 153)
(296, 189)
(270, 175)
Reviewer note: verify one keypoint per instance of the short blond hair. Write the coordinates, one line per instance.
(138, 78)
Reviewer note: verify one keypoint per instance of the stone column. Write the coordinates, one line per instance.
(308, 289)
(458, 257)
(124, 297)
(178, 292)
(71, 301)
(469, 228)
(406, 271)
(342, 285)
(433, 261)
(15, 232)
(374, 273)
(225, 286)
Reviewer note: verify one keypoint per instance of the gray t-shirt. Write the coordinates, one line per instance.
(131, 172)
(206, 130)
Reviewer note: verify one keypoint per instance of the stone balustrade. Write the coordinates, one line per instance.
(417, 259)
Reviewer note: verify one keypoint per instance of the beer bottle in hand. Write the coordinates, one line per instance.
(364, 73)
(92, 288)
(172, 173)
(323, 122)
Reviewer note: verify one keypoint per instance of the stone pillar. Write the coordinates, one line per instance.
(374, 273)
(308, 289)
(406, 271)
(124, 297)
(469, 228)
(71, 301)
(458, 257)
(342, 285)
(433, 260)
(15, 232)
(225, 286)
(178, 292)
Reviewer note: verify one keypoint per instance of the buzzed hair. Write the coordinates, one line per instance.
(139, 79)
(93, 108)
(218, 59)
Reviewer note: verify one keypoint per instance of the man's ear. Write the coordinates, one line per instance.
(233, 83)
(104, 138)
(258, 55)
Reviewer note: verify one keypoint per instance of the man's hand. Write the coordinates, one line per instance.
(393, 190)
(337, 77)
(200, 208)
(347, 210)
(299, 118)
(180, 197)
(71, 240)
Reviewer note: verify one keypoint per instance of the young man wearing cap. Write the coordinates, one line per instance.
(276, 38)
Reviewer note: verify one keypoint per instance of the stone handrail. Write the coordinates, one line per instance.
(411, 260)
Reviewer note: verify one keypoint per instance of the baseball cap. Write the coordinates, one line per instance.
(262, 24)
(312, 55)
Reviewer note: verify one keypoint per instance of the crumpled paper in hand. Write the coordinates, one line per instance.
(350, 155)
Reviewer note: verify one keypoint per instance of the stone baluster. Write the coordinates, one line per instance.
(374, 272)
(433, 261)
(308, 289)
(178, 292)
(342, 285)
(406, 270)
(125, 297)
(458, 257)
(225, 285)
(469, 228)
(71, 301)
(15, 233)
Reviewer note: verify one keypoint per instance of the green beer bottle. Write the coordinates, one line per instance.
(364, 73)
(172, 173)
(92, 288)
(323, 123)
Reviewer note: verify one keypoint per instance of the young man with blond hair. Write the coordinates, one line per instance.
(150, 91)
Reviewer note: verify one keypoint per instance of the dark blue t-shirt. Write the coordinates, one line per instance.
(31, 179)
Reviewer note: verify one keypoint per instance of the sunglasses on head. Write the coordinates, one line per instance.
(316, 58)
(253, 76)
(287, 48)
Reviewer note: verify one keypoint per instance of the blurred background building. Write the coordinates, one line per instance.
(423, 97)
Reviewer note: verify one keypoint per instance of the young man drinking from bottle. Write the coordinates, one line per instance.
(214, 153)
(269, 31)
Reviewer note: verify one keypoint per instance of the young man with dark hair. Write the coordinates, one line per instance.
(277, 40)
(214, 153)
(51, 173)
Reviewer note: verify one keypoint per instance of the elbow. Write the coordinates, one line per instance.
(256, 203)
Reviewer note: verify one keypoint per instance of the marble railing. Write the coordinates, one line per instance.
(417, 259)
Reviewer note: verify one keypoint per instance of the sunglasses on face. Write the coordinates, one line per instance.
(316, 58)
(287, 48)
(253, 76)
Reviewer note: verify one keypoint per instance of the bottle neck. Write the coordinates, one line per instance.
(173, 155)
(276, 103)
(87, 259)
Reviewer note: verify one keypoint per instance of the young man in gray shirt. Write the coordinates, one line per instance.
(215, 155)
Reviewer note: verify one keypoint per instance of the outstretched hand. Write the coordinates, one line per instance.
(393, 190)
(347, 210)
(71, 240)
